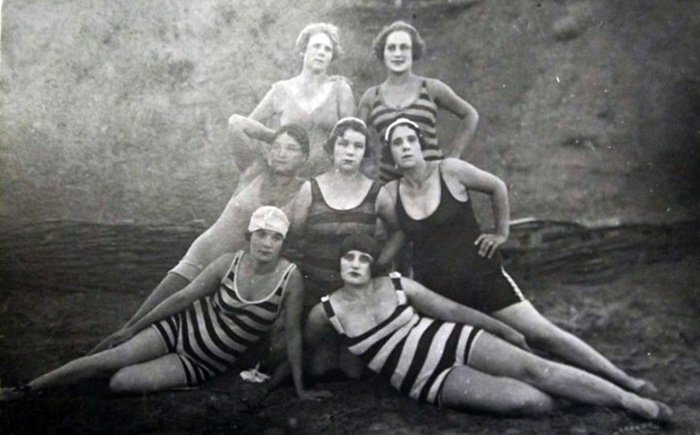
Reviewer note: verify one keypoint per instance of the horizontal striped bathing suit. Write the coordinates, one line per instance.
(423, 111)
(326, 228)
(216, 330)
(414, 353)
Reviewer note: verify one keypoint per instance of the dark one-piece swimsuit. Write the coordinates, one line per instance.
(446, 260)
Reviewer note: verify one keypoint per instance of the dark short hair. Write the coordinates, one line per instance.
(327, 29)
(296, 132)
(364, 243)
(417, 43)
(386, 149)
(340, 128)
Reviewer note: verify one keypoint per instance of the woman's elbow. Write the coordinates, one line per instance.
(236, 122)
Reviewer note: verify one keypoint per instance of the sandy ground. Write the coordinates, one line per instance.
(644, 320)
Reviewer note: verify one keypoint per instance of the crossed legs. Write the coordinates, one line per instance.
(545, 335)
(505, 379)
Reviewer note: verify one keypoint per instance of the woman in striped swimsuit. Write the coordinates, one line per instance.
(437, 351)
(404, 94)
(329, 208)
(202, 330)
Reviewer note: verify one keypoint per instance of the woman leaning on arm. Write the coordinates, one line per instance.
(437, 351)
(203, 329)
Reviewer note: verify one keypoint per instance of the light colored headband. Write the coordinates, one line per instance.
(345, 120)
(395, 124)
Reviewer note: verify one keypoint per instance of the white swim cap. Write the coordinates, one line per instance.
(269, 218)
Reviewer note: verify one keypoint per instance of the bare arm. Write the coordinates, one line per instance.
(318, 327)
(300, 211)
(253, 126)
(346, 100)
(440, 307)
(447, 99)
(386, 210)
(473, 178)
(293, 304)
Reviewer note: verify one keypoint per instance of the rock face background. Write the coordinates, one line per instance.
(116, 111)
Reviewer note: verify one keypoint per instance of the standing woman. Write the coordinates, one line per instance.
(203, 329)
(330, 207)
(454, 258)
(405, 94)
(313, 99)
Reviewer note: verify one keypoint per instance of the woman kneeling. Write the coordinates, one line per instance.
(440, 352)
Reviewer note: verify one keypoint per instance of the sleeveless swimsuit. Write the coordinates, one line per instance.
(413, 352)
(422, 111)
(326, 228)
(318, 122)
(216, 330)
(446, 260)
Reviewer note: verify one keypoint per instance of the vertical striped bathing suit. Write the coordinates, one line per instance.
(326, 228)
(216, 330)
(414, 353)
(422, 111)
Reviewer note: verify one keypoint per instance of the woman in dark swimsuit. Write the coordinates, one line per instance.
(454, 258)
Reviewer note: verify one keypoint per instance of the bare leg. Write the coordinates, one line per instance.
(171, 284)
(467, 388)
(543, 334)
(160, 374)
(499, 358)
(144, 346)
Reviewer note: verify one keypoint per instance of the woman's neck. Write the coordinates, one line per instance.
(261, 267)
(417, 175)
(311, 77)
(280, 179)
(358, 291)
(399, 78)
(344, 177)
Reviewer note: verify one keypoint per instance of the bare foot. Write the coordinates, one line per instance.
(664, 415)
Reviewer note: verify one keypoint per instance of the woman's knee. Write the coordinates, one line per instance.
(533, 401)
(534, 370)
(123, 381)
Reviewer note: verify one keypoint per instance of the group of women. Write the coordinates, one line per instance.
(457, 334)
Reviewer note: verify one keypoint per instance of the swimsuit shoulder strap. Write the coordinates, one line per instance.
(332, 317)
(398, 286)
(316, 194)
(373, 192)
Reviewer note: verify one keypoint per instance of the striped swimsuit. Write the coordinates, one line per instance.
(216, 330)
(326, 228)
(414, 353)
(422, 111)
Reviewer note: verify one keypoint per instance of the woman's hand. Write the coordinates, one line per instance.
(488, 243)
(315, 395)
